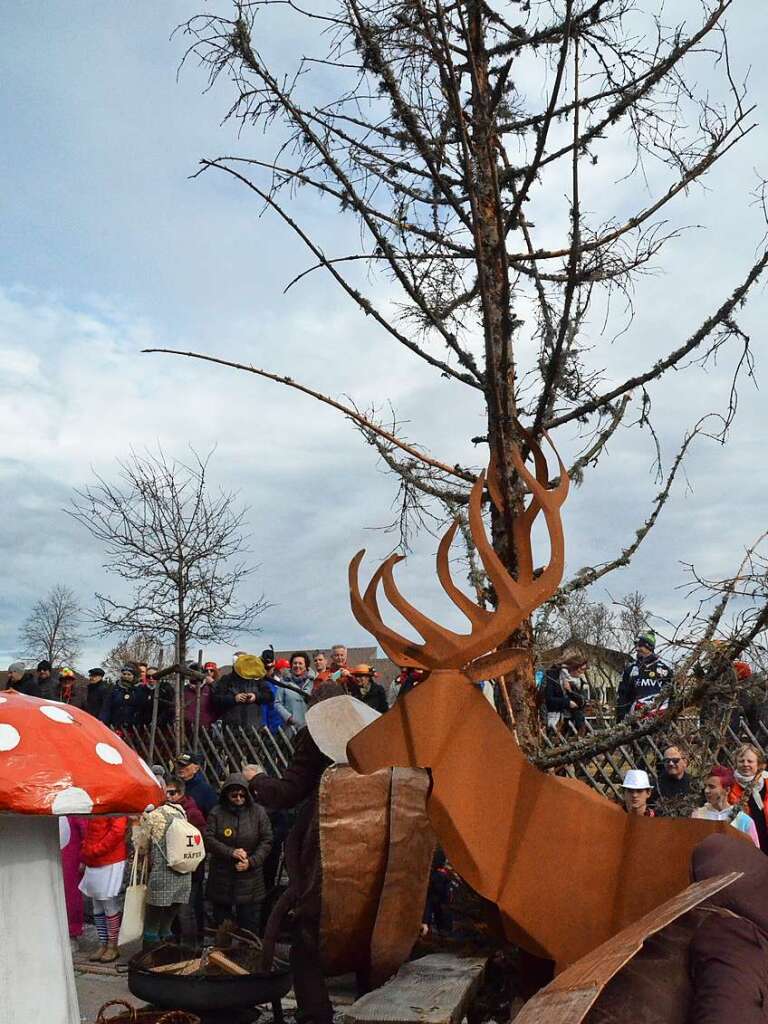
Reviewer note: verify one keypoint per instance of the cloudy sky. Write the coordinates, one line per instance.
(109, 247)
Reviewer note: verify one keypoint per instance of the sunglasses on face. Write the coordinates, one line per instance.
(172, 792)
(672, 760)
(237, 795)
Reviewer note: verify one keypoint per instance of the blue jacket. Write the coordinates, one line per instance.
(270, 716)
(290, 704)
(127, 706)
(202, 792)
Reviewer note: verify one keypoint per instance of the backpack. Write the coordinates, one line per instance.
(184, 847)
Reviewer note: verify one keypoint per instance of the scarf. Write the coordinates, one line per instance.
(757, 784)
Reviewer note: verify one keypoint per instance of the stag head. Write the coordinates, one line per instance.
(475, 653)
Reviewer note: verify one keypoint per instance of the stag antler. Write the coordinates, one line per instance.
(475, 653)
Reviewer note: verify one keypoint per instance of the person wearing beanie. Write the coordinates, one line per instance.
(128, 705)
(21, 680)
(45, 682)
(98, 691)
(644, 677)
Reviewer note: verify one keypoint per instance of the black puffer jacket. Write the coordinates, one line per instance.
(229, 829)
(233, 713)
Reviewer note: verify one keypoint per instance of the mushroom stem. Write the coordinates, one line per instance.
(37, 981)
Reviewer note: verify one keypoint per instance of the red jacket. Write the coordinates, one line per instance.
(104, 842)
(193, 812)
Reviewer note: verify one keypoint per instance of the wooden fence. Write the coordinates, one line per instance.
(226, 749)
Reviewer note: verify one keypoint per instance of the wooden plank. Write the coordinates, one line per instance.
(433, 990)
(181, 967)
(222, 961)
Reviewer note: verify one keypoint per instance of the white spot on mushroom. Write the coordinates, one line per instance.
(57, 714)
(9, 737)
(147, 769)
(3, 700)
(108, 753)
(72, 800)
(148, 808)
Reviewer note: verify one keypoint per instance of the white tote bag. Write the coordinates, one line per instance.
(132, 924)
(184, 846)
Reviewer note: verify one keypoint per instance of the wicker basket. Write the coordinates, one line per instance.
(131, 1015)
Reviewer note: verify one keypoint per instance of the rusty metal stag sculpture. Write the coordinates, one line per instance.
(566, 867)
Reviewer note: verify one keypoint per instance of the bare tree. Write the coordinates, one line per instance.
(52, 630)
(139, 649)
(178, 544)
(420, 120)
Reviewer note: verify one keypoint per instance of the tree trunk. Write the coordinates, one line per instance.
(493, 275)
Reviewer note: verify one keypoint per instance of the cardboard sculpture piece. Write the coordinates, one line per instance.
(54, 760)
(571, 996)
(334, 722)
(374, 882)
(566, 866)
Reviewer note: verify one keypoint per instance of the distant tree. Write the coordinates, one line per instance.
(52, 629)
(138, 649)
(178, 545)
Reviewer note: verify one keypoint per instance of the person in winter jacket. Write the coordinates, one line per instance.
(97, 693)
(192, 913)
(168, 891)
(127, 704)
(750, 775)
(644, 678)
(238, 696)
(363, 685)
(104, 853)
(197, 787)
(46, 684)
(238, 838)
(21, 680)
(560, 697)
(208, 714)
(290, 706)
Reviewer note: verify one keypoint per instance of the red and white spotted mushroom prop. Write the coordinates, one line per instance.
(54, 760)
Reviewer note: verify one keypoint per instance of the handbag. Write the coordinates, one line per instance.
(134, 907)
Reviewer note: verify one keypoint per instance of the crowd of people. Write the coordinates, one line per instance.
(244, 836)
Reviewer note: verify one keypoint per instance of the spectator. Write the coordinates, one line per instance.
(167, 890)
(405, 682)
(322, 672)
(717, 785)
(239, 695)
(366, 689)
(207, 710)
(161, 691)
(674, 780)
(126, 705)
(574, 673)
(291, 706)
(442, 882)
(70, 689)
(104, 854)
(192, 914)
(268, 658)
(238, 838)
(98, 691)
(339, 668)
(71, 834)
(21, 680)
(637, 791)
(644, 678)
(196, 786)
(558, 698)
(750, 776)
(281, 667)
(46, 684)
(270, 713)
